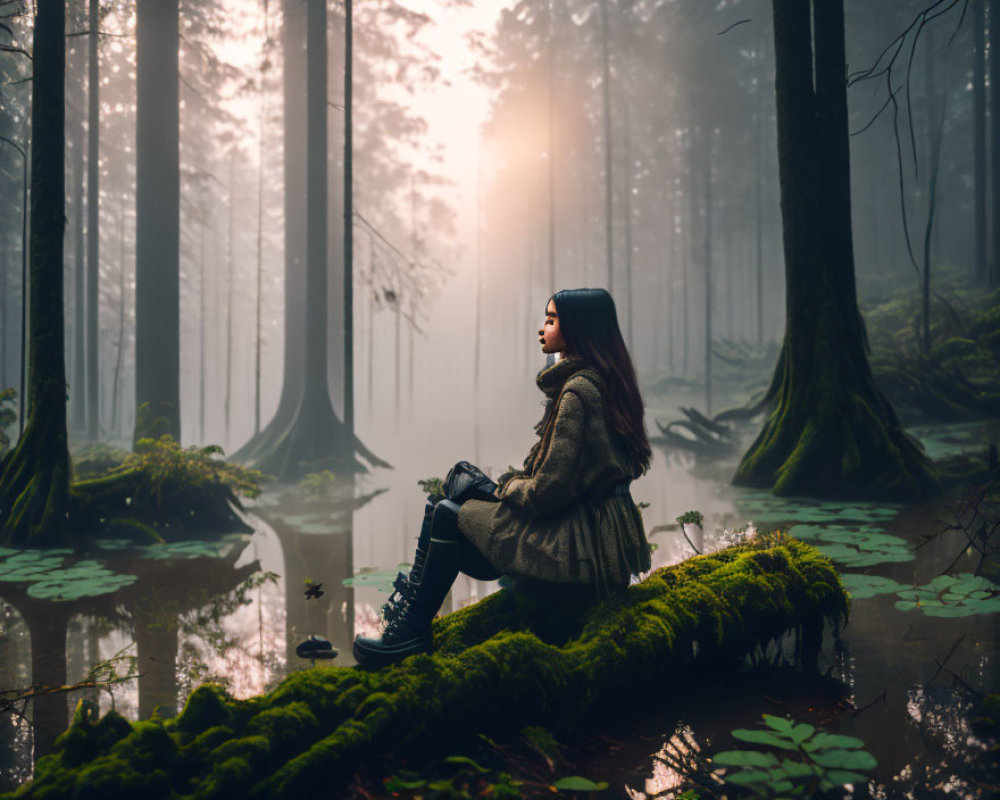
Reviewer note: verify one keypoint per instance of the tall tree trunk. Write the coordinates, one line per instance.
(628, 221)
(157, 279)
(349, 218)
(979, 137)
(830, 431)
(708, 267)
(34, 477)
(688, 248)
(314, 438)
(78, 388)
(93, 226)
(758, 187)
(230, 289)
(116, 385)
(608, 182)
(551, 149)
(993, 278)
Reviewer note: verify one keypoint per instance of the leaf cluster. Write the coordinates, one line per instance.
(808, 761)
(164, 462)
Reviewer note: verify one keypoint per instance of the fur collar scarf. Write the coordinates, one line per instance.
(551, 379)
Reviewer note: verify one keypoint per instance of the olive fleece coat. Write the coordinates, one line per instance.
(554, 521)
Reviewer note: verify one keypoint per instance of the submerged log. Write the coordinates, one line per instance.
(512, 659)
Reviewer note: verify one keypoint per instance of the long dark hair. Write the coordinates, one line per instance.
(588, 323)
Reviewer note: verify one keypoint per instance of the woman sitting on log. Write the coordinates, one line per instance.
(567, 517)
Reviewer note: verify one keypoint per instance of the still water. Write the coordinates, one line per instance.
(233, 610)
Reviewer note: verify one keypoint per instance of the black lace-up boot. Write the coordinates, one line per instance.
(410, 630)
(404, 583)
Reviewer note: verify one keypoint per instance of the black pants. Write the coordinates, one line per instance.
(444, 527)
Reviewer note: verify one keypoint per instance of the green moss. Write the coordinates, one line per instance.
(163, 490)
(207, 707)
(504, 663)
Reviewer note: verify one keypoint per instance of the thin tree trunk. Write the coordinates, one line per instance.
(758, 187)
(708, 268)
(116, 385)
(349, 219)
(979, 137)
(78, 389)
(628, 221)
(93, 226)
(260, 243)
(993, 278)
(157, 343)
(688, 248)
(608, 183)
(551, 154)
(230, 287)
(202, 339)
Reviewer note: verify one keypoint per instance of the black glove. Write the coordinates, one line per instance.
(466, 481)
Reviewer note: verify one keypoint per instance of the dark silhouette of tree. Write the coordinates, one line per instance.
(157, 284)
(34, 477)
(830, 430)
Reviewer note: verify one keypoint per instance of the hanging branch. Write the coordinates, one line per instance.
(892, 52)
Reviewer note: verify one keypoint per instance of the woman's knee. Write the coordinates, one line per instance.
(444, 523)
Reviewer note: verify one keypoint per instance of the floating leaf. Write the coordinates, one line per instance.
(840, 777)
(748, 776)
(952, 596)
(465, 761)
(764, 737)
(371, 578)
(834, 740)
(745, 758)
(860, 586)
(845, 759)
(575, 783)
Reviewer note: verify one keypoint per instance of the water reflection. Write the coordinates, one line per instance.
(193, 617)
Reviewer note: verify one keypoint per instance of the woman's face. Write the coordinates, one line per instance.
(549, 334)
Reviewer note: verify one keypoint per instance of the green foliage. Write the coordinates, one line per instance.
(97, 459)
(8, 416)
(952, 596)
(432, 487)
(317, 484)
(162, 491)
(163, 462)
(691, 518)
(807, 761)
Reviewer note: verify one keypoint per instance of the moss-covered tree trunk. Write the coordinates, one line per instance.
(34, 478)
(831, 432)
(157, 245)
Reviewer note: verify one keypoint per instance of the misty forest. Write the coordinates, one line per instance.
(269, 269)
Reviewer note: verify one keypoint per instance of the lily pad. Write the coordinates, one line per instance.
(372, 578)
(860, 586)
(72, 583)
(952, 596)
(862, 548)
(26, 565)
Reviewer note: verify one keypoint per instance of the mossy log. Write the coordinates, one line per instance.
(508, 661)
(130, 503)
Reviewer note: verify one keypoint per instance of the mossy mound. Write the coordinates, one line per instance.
(511, 660)
(161, 492)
